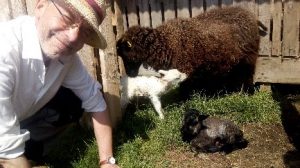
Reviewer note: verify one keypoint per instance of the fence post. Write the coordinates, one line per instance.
(109, 69)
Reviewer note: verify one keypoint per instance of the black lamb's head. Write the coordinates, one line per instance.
(133, 48)
(191, 124)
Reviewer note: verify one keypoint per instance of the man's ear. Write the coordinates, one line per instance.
(40, 7)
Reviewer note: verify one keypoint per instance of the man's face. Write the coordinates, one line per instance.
(61, 30)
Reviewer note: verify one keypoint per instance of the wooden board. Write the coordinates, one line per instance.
(5, 13)
(276, 10)
(144, 13)
(30, 5)
(264, 16)
(197, 7)
(11, 9)
(132, 13)
(110, 70)
(276, 70)
(183, 9)
(290, 41)
(156, 13)
(227, 3)
(169, 9)
(211, 4)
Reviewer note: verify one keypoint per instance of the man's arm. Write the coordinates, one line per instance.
(103, 133)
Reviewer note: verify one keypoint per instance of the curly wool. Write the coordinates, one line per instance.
(213, 43)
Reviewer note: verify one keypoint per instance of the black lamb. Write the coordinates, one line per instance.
(210, 134)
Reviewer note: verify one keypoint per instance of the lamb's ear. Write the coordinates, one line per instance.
(203, 117)
(162, 72)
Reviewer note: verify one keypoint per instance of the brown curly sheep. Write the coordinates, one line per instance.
(217, 47)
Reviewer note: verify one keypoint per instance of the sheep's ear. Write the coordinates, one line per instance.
(128, 43)
(163, 72)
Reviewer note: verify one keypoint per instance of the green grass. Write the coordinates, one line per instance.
(142, 139)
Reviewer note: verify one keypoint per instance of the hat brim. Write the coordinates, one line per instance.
(96, 39)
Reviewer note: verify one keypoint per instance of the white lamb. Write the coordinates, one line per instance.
(150, 86)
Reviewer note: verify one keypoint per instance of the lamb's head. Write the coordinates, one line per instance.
(133, 48)
(192, 124)
(172, 76)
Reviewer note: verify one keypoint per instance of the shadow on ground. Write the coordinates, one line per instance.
(68, 147)
(134, 125)
(289, 98)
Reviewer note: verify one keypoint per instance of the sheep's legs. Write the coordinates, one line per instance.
(157, 106)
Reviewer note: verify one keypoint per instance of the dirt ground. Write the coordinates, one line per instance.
(269, 147)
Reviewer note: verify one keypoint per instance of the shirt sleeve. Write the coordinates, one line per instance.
(85, 87)
(12, 138)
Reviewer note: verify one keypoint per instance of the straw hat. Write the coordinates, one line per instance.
(93, 11)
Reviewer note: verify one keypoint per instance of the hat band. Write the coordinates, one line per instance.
(97, 9)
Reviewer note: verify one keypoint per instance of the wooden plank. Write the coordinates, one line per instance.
(18, 8)
(132, 13)
(119, 18)
(197, 7)
(169, 9)
(109, 70)
(264, 16)
(87, 57)
(12, 8)
(276, 8)
(276, 70)
(156, 13)
(123, 8)
(226, 3)
(144, 12)
(248, 4)
(211, 4)
(290, 46)
(120, 31)
(6, 13)
(30, 4)
(183, 9)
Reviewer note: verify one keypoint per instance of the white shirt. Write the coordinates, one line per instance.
(25, 86)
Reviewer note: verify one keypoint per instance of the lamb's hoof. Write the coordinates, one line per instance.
(161, 117)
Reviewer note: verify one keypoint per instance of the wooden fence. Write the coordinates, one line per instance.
(279, 49)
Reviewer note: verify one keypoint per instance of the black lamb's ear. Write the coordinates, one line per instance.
(203, 117)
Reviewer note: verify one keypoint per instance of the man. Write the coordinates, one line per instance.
(37, 57)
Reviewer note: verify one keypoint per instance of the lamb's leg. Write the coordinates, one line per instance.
(157, 105)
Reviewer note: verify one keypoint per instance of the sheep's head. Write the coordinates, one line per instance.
(132, 47)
